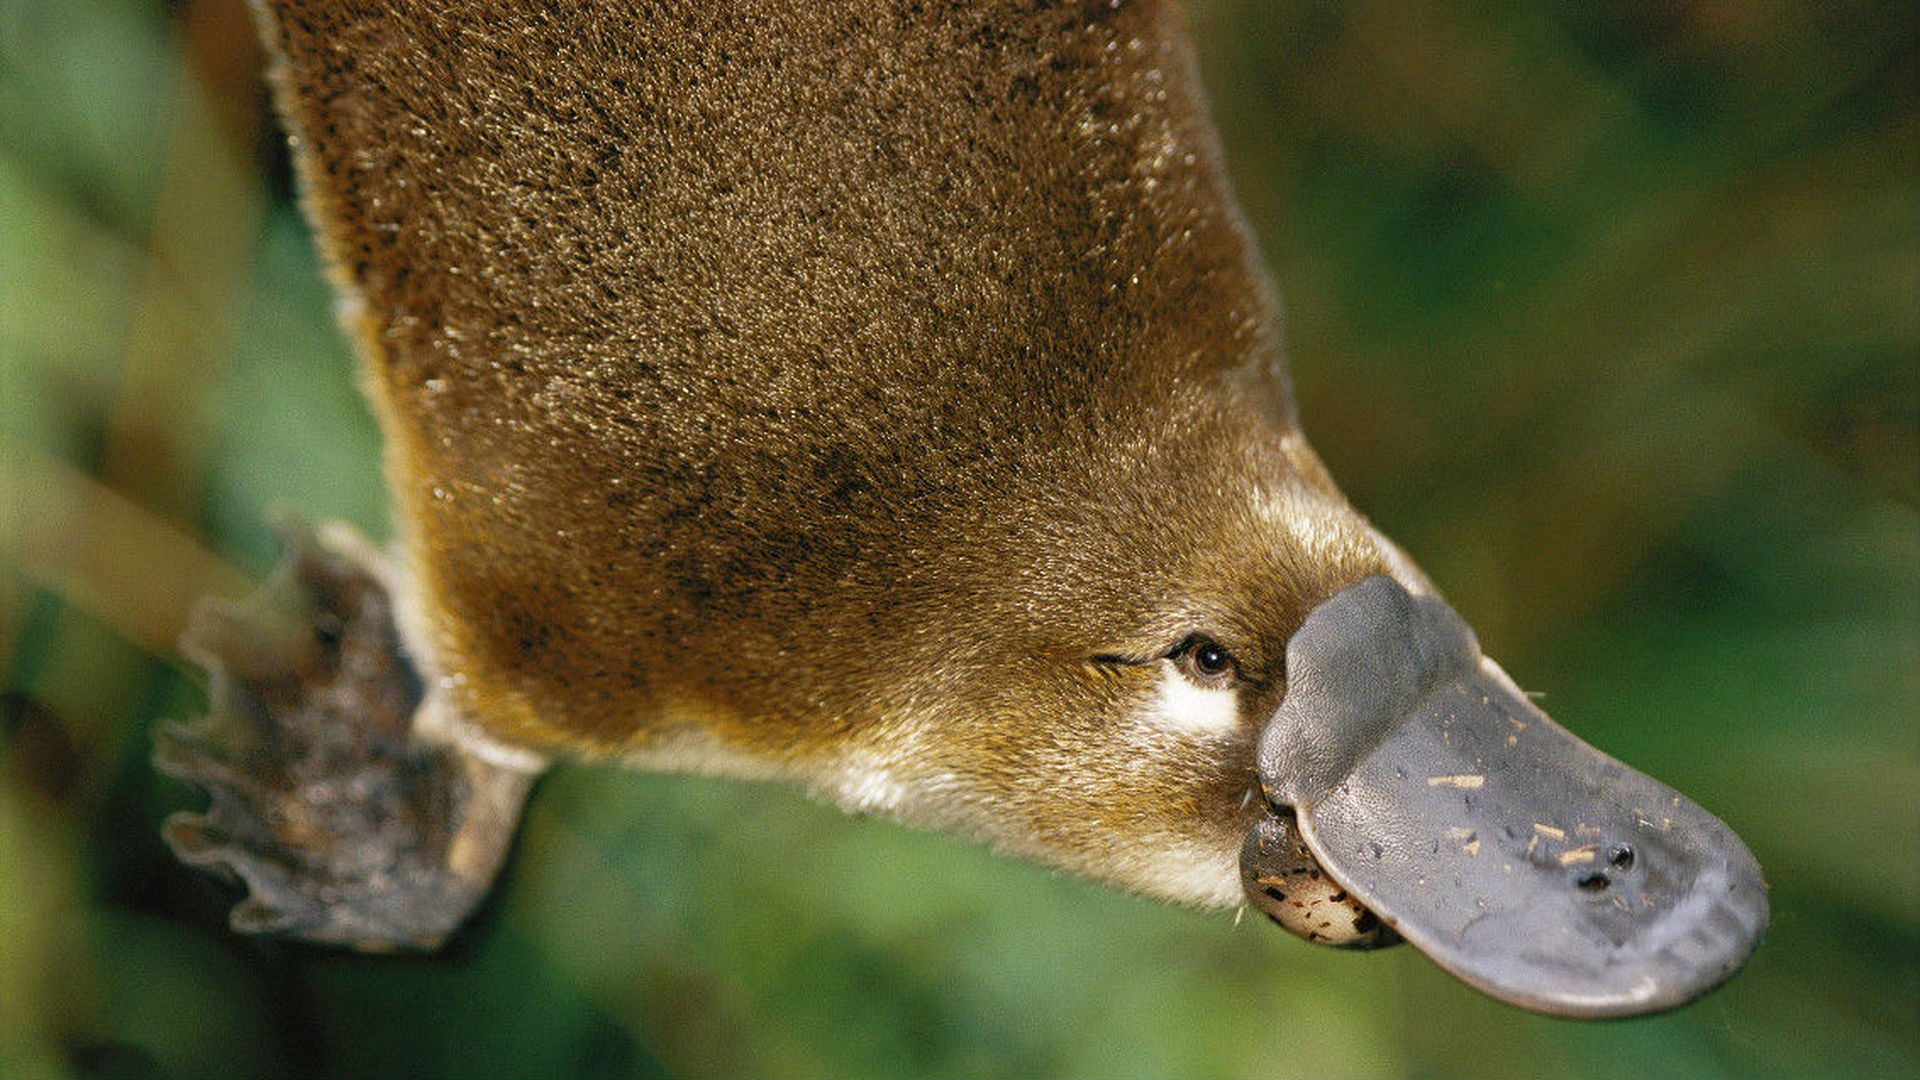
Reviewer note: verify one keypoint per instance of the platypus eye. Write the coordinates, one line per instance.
(1205, 661)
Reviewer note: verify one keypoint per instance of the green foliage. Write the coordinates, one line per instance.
(1605, 311)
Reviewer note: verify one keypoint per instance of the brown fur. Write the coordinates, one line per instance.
(817, 390)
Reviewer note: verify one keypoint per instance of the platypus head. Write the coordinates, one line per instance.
(1193, 670)
(892, 401)
(1107, 633)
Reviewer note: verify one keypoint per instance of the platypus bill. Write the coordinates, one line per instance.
(885, 397)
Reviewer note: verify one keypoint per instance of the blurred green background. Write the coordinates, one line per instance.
(1607, 311)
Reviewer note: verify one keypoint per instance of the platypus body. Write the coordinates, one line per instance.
(885, 397)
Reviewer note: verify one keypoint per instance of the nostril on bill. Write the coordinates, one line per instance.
(1620, 857)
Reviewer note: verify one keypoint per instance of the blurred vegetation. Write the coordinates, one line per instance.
(1606, 311)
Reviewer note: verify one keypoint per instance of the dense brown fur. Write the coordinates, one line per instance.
(861, 393)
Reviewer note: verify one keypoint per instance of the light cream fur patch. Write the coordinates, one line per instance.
(1181, 707)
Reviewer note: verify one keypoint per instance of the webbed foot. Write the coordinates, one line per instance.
(346, 827)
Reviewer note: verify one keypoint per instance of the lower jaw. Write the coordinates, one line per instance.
(1282, 881)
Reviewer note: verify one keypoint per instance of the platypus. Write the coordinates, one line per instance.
(885, 397)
